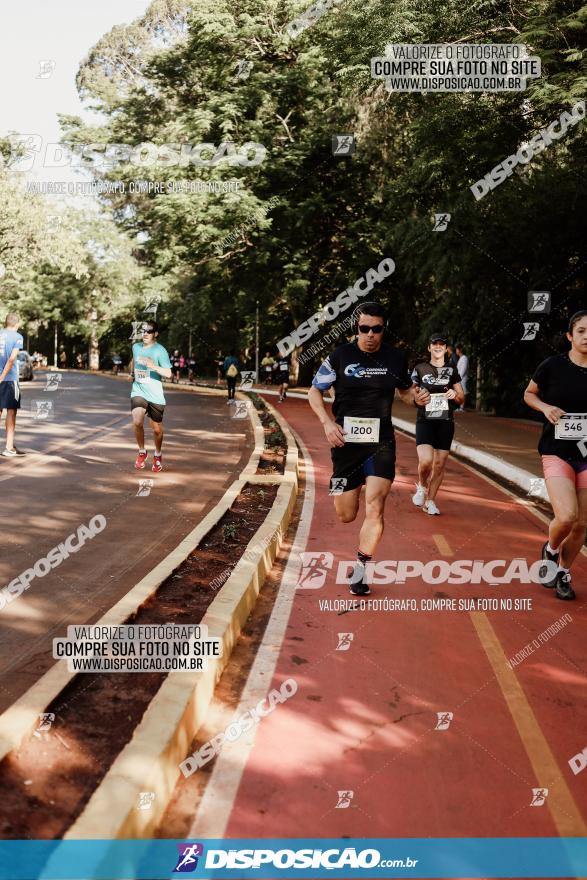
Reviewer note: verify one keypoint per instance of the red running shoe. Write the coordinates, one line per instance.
(140, 461)
(157, 463)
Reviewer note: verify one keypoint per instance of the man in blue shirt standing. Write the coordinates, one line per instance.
(10, 344)
(149, 363)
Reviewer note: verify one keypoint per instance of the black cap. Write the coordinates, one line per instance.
(438, 337)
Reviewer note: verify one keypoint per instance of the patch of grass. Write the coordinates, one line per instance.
(229, 532)
(276, 440)
(258, 402)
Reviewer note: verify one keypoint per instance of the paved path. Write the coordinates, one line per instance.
(364, 720)
(79, 464)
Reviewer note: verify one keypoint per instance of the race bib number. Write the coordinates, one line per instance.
(284, 368)
(142, 374)
(361, 430)
(437, 407)
(571, 426)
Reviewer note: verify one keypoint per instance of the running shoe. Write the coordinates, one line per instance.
(545, 580)
(420, 497)
(563, 589)
(280, 399)
(157, 463)
(359, 588)
(140, 460)
(13, 453)
(431, 508)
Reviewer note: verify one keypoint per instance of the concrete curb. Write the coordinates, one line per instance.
(518, 476)
(21, 718)
(150, 761)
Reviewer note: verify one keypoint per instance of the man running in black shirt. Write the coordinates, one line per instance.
(364, 375)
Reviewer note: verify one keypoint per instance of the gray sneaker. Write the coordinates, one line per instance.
(563, 588)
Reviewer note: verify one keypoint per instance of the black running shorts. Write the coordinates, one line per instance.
(154, 410)
(354, 462)
(9, 395)
(437, 434)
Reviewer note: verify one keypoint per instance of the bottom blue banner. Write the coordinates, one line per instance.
(293, 857)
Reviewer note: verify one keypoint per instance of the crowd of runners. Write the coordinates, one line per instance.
(364, 375)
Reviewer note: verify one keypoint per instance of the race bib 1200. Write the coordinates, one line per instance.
(358, 430)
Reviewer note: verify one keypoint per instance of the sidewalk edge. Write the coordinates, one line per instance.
(150, 761)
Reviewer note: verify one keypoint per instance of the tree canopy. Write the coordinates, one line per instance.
(304, 224)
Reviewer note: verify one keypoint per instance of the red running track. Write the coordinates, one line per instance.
(364, 720)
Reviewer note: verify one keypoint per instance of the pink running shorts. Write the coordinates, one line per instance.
(575, 471)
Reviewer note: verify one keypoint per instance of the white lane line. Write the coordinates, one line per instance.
(216, 805)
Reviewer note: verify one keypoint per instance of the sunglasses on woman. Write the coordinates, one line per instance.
(376, 328)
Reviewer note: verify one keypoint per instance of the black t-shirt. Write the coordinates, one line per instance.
(282, 368)
(364, 384)
(561, 383)
(436, 380)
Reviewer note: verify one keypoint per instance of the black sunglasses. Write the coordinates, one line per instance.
(376, 328)
(145, 330)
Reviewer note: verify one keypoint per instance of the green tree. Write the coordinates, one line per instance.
(305, 224)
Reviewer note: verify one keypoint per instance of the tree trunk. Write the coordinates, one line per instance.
(94, 350)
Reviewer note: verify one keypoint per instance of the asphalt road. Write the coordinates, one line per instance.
(79, 464)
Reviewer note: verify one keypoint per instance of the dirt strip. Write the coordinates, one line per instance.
(45, 784)
(272, 459)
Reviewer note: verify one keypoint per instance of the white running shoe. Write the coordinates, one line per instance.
(13, 453)
(431, 508)
(420, 495)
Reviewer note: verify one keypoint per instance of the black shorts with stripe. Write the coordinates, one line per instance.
(354, 462)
